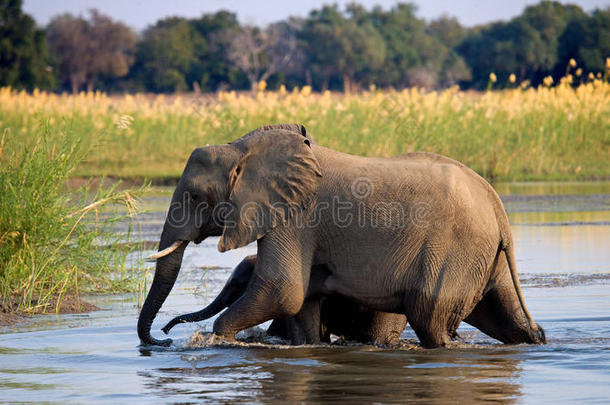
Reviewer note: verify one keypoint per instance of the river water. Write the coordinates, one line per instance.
(562, 238)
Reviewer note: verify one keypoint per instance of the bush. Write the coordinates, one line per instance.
(54, 241)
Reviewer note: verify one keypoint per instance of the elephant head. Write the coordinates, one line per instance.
(238, 191)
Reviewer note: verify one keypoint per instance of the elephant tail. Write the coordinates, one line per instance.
(506, 244)
(539, 335)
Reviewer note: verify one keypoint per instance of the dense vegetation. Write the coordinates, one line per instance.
(56, 244)
(329, 49)
(522, 133)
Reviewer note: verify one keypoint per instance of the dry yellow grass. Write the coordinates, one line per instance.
(524, 133)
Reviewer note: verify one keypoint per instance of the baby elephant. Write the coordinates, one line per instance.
(320, 316)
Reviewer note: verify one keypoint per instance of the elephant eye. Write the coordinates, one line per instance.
(194, 197)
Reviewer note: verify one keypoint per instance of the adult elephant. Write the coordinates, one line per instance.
(419, 234)
(319, 317)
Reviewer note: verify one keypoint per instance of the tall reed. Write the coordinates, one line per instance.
(522, 133)
(56, 241)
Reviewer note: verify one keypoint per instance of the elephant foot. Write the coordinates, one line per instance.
(430, 337)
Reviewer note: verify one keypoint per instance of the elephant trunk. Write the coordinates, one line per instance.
(166, 273)
(229, 294)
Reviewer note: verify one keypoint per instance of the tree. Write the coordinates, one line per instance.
(261, 53)
(330, 48)
(84, 51)
(503, 48)
(322, 45)
(450, 33)
(595, 48)
(349, 48)
(212, 68)
(166, 54)
(448, 30)
(532, 45)
(454, 70)
(23, 50)
(113, 45)
(587, 40)
(416, 54)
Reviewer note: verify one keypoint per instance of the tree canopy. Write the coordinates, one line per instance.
(85, 51)
(332, 48)
(23, 50)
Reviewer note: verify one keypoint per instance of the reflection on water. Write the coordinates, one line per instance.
(561, 233)
(551, 188)
(562, 249)
(360, 374)
(562, 218)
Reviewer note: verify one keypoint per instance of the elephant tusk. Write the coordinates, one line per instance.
(165, 252)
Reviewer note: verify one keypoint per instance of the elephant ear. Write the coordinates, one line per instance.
(296, 128)
(276, 177)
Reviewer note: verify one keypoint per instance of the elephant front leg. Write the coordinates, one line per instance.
(278, 285)
(257, 305)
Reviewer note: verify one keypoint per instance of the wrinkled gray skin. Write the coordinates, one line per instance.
(447, 257)
(319, 317)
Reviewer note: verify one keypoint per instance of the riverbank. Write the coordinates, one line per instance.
(560, 133)
(11, 314)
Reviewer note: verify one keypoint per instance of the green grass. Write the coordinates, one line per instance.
(55, 242)
(561, 133)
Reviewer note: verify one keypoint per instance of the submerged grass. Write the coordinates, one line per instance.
(515, 134)
(57, 243)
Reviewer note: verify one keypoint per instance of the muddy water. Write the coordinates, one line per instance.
(562, 236)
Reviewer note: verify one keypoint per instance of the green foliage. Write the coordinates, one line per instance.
(212, 69)
(177, 52)
(338, 48)
(417, 54)
(538, 43)
(587, 40)
(23, 50)
(86, 51)
(503, 48)
(55, 242)
(447, 30)
(167, 53)
(341, 47)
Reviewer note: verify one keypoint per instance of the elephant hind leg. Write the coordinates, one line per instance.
(430, 334)
(499, 315)
(431, 321)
